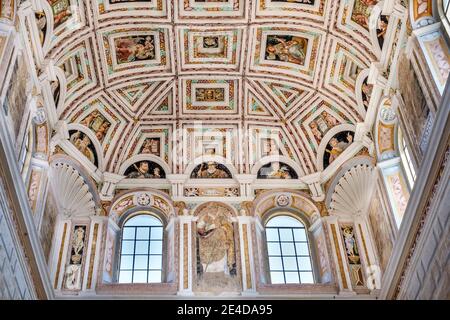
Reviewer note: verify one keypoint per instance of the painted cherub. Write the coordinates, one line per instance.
(329, 119)
(88, 120)
(101, 132)
(315, 131)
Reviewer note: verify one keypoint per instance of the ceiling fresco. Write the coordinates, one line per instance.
(170, 81)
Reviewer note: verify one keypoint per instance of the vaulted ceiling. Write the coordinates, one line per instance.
(226, 73)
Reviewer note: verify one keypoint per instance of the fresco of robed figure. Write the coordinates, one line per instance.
(211, 170)
(216, 258)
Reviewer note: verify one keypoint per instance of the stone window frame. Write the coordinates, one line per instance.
(118, 248)
(296, 214)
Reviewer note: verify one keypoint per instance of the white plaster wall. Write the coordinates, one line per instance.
(13, 283)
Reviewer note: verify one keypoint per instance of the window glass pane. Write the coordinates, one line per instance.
(140, 277)
(126, 262)
(292, 277)
(275, 263)
(302, 248)
(273, 249)
(290, 264)
(157, 234)
(283, 221)
(306, 277)
(140, 262)
(127, 247)
(285, 234)
(143, 220)
(142, 237)
(155, 262)
(154, 276)
(304, 263)
(125, 276)
(300, 234)
(141, 247)
(288, 249)
(142, 233)
(277, 277)
(272, 234)
(156, 247)
(128, 233)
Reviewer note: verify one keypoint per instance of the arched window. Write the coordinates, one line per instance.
(141, 250)
(406, 159)
(288, 251)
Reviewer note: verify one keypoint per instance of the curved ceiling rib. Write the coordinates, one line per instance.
(273, 69)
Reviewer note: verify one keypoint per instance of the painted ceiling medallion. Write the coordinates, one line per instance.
(143, 199)
(283, 200)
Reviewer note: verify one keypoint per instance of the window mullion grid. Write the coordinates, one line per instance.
(310, 257)
(134, 254)
(148, 250)
(281, 252)
(296, 259)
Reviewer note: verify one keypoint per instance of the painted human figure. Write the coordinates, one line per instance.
(211, 171)
(41, 21)
(270, 147)
(142, 171)
(293, 51)
(130, 49)
(350, 245)
(367, 91)
(337, 147)
(101, 132)
(329, 119)
(156, 173)
(61, 11)
(362, 11)
(82, 143)
(278, 172)
(88, 120)
(151, 146)
(315, 131)
(216, 250)
(382, 28)
(72, 277)
(77, 245)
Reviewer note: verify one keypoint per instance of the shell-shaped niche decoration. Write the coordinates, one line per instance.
(352, 193)
(73, 194)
